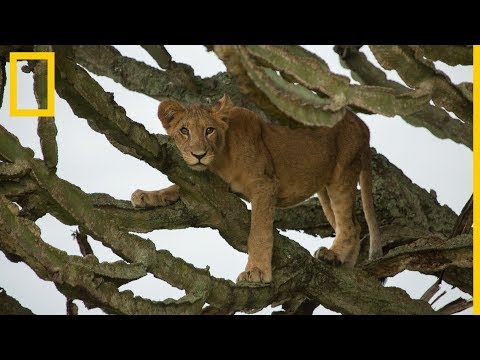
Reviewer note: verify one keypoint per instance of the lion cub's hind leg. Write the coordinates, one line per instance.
(347, 241)
(326, 206)
(164, 197)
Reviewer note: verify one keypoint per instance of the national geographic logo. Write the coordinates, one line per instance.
(50, 58)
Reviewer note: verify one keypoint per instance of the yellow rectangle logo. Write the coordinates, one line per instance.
(50, 58)
(476, 180)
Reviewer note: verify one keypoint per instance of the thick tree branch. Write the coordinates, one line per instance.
(11, 306)
(183, 73)
(428, 255)
(85, 279)
(313, 73)
(421, 74)
(452, 55)
(433, 118)
(134, 75)
(47, 131)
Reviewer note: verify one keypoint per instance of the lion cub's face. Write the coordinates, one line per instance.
(198, 131)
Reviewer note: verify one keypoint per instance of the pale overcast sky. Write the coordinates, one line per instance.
(88, 160)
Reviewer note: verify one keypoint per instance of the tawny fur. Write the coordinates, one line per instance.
(275, 166)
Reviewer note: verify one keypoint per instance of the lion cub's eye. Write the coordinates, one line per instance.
(209, 130)
(184, 131)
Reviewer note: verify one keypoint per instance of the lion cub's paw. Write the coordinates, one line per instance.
(139, 199)
(143, 199)
(255, 275)
(328, 256)
(377, 254)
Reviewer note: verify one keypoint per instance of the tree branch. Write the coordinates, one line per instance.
(434, 119)
(85, 279)
(464, 221)
(455, 306)
(160, 55)
(47, 131)
(421, 74)
(313, 73)
(134, 75)
(452, 55)
(428, 255)
(11, 306)
(182, 73)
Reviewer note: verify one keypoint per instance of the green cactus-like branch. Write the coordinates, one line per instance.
(16, 171)
(47, 131)
(295, 101)
(178, 83)
(11, 306)
(233, 61)
(452, 55)
(433, 118)
(421, 74)
(83, 278)
(312, 72)
(89, 101)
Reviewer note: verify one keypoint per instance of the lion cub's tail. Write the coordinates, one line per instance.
(366, 187)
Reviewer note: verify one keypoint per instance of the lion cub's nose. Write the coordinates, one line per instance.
(199, 157)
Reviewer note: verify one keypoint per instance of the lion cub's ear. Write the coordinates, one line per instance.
(223, 106)
(168, 110)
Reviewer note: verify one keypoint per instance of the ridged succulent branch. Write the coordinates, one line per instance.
(421, 74)
(232, 60)
(452, 55)
(84, 278)
(182, 73)
(433, 118)
(296, 101)
(82, 92)
(47, 131)
(309, 70)
(11, 306)
(135, 75)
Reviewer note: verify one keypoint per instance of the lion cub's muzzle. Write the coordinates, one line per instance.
(202, 160)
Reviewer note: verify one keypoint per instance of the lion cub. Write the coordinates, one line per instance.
(275, 166)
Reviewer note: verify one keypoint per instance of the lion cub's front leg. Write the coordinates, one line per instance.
(260, 239)
(164, 197)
